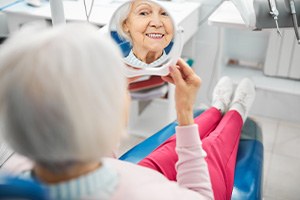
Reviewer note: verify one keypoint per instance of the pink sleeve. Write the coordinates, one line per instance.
(192, 170)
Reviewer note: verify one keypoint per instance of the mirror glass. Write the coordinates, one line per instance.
(145, 32)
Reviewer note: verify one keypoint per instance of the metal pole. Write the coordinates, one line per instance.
(57, 12)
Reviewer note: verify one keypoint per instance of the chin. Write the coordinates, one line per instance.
(156, 49)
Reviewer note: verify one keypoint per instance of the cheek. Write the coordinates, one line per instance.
(169, 26)
(137, 37)
(170, 33)
(139, 25)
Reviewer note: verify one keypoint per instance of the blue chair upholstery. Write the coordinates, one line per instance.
(249, 166)
(18, 188)
(124, 44)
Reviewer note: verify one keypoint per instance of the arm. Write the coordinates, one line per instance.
(192, 170)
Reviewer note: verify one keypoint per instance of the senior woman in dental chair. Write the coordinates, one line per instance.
(64, 103)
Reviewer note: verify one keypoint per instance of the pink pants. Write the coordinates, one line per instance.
(220, 139)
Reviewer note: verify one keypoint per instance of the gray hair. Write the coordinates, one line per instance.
(120, 18)
(62, 94)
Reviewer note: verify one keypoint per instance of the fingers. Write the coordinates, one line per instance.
(176, 75)
(179, 73)
(185, 68)
(168, 79)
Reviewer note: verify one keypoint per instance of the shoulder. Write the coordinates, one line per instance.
(127, 169)
(137, 182)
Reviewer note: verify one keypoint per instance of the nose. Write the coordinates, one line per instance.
(156, 21)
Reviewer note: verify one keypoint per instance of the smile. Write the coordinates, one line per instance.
(155, 35)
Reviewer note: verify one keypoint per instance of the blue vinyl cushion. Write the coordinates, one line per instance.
(141, 150)
(249, 166)
(18, 188)
(248, 171)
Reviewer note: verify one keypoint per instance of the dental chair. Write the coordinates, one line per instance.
(248, 171)
(249, 165)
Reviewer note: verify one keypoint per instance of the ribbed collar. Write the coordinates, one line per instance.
(131, 59)
(101, 184)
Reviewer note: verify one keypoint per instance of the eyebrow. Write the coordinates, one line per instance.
(142, 4)
(149, 5)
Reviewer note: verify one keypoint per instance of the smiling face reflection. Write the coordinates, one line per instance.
(150, 28)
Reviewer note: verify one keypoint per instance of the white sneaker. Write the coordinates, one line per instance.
(222, 94)
(243, 97)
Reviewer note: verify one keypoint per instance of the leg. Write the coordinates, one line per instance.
(222, 144)
(163, 158)
(221, 147)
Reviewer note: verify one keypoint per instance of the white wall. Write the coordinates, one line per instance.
(203, 48)
(208, 51)
(273, 98)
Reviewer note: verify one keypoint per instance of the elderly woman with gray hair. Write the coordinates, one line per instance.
(64, 104)
(149, 29)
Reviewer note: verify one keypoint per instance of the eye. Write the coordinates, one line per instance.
(164, 13)
(144, 13)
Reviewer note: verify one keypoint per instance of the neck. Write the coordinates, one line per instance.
(75, 171)
(147, 56)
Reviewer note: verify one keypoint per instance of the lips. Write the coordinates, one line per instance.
(155, 35)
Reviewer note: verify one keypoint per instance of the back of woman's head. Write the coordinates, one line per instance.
(62, 93)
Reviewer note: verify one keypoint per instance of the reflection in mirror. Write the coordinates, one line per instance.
(145, 33)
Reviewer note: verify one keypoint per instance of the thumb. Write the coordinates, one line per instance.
(176, 75)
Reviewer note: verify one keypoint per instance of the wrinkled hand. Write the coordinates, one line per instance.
(186, 84)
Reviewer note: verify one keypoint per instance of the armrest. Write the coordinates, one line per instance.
(141, 150)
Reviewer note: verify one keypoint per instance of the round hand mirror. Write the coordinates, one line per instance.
(147, 36)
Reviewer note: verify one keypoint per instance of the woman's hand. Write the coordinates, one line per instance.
(187, 84)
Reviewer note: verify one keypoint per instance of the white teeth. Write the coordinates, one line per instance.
(155, 35)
